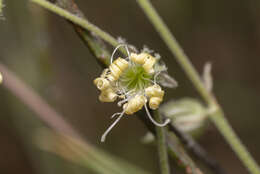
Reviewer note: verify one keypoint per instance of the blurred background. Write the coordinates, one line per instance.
(44, 51)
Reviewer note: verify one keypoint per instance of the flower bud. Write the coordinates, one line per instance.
(187, 114)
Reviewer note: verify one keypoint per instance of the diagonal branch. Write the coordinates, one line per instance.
(197, 150)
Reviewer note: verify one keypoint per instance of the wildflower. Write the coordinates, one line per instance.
(133, 81)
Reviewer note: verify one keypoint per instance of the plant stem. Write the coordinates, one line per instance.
(100, 161)
(94, 43)
(78, 20)
(218, 118)
(98, 49)
(176, 148)
(161, 145)
(196, 149)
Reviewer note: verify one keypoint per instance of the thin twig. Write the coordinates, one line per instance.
(36, 103)
(79, 21)
(161, 145)
(96, 45)
(177, 148)
(174, 147)
(197, 150)
(217, 117)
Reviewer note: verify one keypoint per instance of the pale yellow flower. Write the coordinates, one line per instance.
(133, 81)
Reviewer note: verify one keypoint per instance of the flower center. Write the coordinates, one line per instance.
(135, 78)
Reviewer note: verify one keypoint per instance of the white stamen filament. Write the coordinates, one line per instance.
(115, 114)
(121, 45)
(103, 138)
(153, 121)
(155, 77)
(121, 102)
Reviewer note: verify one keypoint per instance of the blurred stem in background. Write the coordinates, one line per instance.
(82, 152)
(217, 116)
(25, 56)
(84, 29)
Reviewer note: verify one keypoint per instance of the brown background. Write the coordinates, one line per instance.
(45, 52)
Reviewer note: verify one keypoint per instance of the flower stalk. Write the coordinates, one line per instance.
(161, 145)
(216, 117)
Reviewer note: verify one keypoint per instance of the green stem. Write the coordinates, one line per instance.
(218, 118)
(1, 7)
(79, 21)
(161, 145)
(96, 47)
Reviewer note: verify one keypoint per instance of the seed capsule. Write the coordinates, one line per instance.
(135, 104)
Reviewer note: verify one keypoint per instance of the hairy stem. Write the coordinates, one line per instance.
(218, 118)
(161, 145)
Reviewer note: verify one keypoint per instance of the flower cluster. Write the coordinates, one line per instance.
(133, 82)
